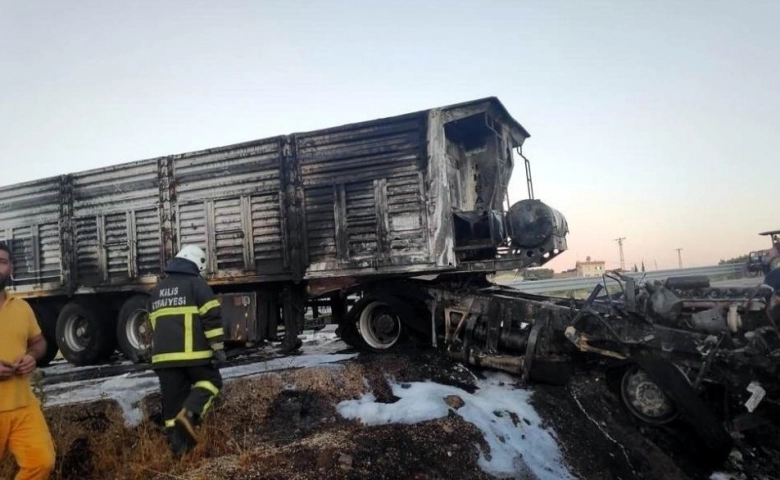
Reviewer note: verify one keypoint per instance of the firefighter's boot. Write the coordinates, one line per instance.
(290, 345)
(179, 441)
(186, 423)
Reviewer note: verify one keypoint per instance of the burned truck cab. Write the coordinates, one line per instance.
(481, 145)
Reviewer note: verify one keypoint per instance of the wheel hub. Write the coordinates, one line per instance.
(379, 327)
(137, 330)
(77, 334)
(650, 399)
(384, 324)
(645, 399)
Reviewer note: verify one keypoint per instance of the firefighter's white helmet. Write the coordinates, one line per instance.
(194, 255)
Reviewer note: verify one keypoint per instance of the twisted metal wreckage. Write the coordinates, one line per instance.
(678, 349)
(298, 222)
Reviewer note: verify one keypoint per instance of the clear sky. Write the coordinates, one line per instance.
(654, 121)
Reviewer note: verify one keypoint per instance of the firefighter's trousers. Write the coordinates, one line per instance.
(191, 388)
(25, 433)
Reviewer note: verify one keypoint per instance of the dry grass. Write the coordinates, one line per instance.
(92, 441)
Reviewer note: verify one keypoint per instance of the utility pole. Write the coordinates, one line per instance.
(622, 259)
(679, 257)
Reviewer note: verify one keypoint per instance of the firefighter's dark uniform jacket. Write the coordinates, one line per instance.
(185, 317)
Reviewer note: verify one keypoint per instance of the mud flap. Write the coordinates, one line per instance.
(714, 437)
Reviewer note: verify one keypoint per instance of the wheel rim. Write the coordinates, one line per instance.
(138, 330)
(379, 327)
(77, 334)
(645, 399)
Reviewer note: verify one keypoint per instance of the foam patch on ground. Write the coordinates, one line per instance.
(512, 428)
(129, 389)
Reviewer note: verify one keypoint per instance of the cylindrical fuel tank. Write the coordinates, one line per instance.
(532, 222)
(690, 282)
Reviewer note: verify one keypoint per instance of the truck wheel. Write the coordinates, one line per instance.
(644, 399)
(715, 443)
(133, 329)
(85, 334)
(380, 321)
(379, 326)
(347, 331)
(47, 321)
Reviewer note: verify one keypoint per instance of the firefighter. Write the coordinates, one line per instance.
(187, 346)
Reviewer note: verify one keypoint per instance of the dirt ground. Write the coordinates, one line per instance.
(264, 428)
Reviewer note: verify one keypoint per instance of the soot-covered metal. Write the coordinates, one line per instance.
(369, 199)
(678, 349)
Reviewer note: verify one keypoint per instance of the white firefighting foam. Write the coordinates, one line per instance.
(129, 389)
(512, 428)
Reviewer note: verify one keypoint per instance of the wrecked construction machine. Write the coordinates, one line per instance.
(292, 225)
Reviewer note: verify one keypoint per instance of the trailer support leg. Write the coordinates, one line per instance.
(338, 308)
(293, 316)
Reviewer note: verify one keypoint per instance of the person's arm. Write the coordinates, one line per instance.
(210, 312)
(36, 346)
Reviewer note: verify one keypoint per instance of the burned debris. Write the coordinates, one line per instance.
(678, 349)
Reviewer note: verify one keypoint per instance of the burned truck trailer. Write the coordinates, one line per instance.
(288, 222)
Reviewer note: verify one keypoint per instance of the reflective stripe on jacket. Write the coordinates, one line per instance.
(185, 316)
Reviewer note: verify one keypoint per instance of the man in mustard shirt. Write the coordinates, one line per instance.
(23, 428)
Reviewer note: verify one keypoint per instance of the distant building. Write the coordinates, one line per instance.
(590, 268)
(570, 273)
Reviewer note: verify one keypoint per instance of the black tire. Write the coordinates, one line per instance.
(348, 332)
(715, 440)
(133, 332)
(644, 399)
(47, 321)
(398, 314)
(85, 333)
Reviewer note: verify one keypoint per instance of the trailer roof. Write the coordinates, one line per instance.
(495, 103)
(457, 110)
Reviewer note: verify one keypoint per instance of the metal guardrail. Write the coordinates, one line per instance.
(578, 283)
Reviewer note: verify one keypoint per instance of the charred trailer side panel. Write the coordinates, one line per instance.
(310, 213)
(30, 225)
(116, 227)
(418, 194)
(230, 201)
(364, 198)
